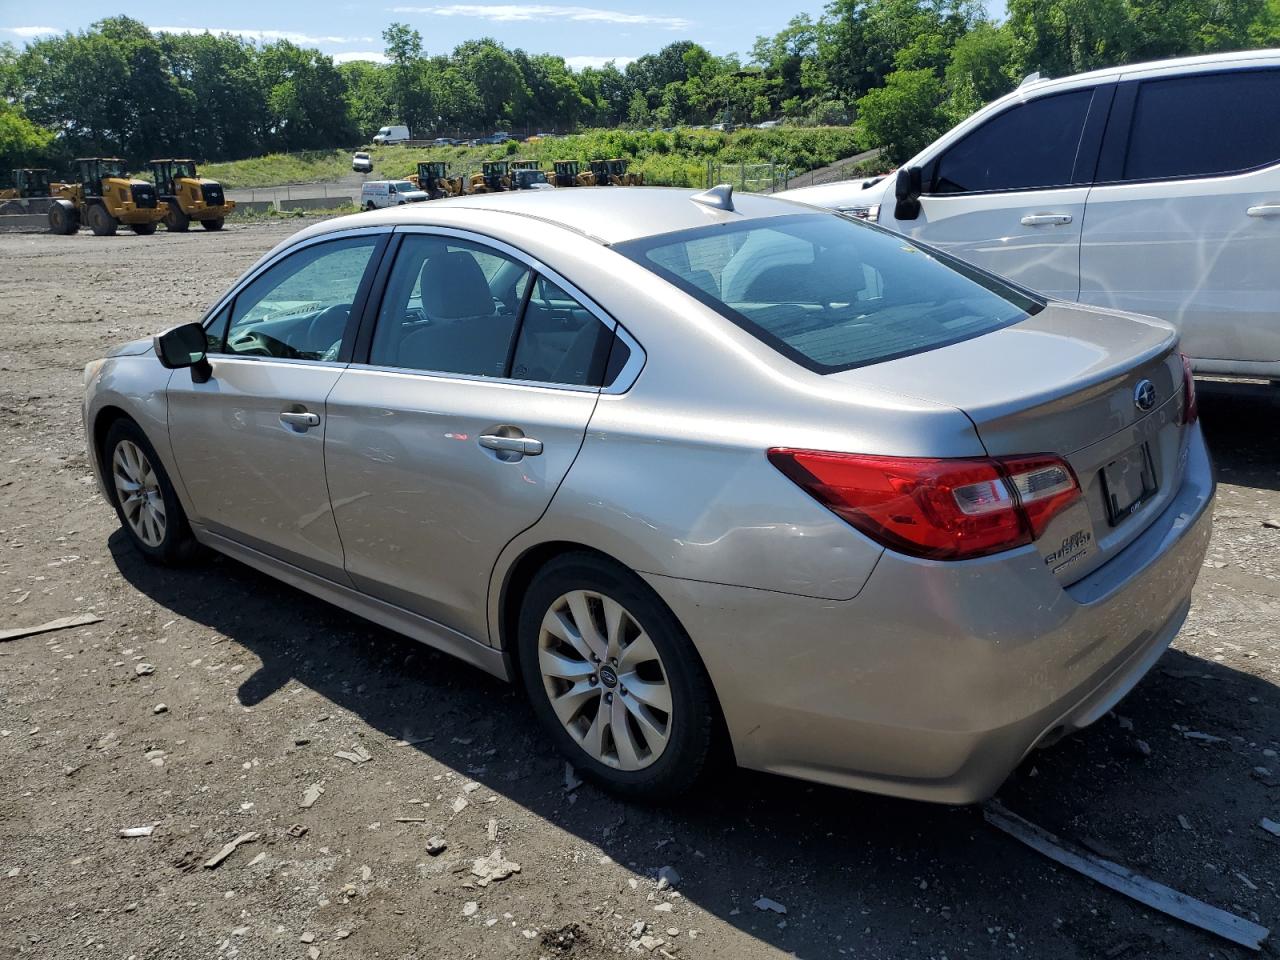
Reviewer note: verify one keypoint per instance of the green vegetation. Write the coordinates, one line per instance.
(899, 71)
(678, 158)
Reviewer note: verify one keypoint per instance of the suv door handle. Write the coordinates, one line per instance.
(300, 420)
(1037, 219)
(1264, 210)
(526, 446)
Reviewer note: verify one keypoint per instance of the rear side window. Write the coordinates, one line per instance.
(832, 293)
(1028, 146)
(1202, 126)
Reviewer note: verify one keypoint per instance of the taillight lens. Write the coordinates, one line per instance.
(1190, 407)
(936, 509)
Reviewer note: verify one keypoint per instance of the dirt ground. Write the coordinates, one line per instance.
(262, 685)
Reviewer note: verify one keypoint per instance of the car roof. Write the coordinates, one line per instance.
(1176, 64)
(606, 214)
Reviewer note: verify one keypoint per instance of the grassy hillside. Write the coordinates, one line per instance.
(674, 159)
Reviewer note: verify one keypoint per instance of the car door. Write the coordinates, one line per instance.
(1184, 223)
(249, 442)
(1009, 196)
(483, 371)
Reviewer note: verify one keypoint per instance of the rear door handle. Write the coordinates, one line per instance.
(527, 446)
(1264, 210)
(1039, 219)
(300, 420)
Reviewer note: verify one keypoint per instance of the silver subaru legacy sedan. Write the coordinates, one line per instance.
(710, 476)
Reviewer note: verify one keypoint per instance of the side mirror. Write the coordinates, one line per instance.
(185, 346)
(908, 189)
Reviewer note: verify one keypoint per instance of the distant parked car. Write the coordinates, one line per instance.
(389, 193)
(444, 142)
(392, 134)
(500, 136)
(768, 124)
(361, 163)
(1152, 188)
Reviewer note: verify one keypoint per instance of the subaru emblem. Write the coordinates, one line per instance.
(1144, 395)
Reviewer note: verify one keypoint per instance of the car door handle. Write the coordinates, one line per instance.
(527, 446)
(300, 420)
(1264, 210)
(1039, 219)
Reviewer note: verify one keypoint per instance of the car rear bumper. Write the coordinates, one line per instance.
(938, 678)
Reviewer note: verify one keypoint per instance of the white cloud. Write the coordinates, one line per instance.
(373, 56)
(28, 32)
(264, 35)
(516, 12)
(581, 63)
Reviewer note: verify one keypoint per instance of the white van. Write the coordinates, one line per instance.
(389, 193)
(1153, 188)
(394, 134)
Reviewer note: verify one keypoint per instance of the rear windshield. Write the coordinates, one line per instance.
(833, 293)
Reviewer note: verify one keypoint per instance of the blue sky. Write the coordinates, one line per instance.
(587, 34)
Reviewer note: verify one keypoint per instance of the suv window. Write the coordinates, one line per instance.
(1204, 125)
(450, 307)
(1028, 146)
(298, 309)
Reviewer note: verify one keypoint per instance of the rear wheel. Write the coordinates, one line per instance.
(63, 218)
(144, 497)
(215, 224)
(101, 223)
(143, 229)
(175, 221)
(614, 679)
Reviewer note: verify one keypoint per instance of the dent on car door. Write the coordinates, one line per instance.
(1010, 195)
(249, 441)
(481, 377)
(1184, 223)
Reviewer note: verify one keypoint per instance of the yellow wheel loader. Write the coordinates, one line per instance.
(433, 179)
(101, 197)
(26, 183)
(493, 178)
(189, 196)
(569, 173)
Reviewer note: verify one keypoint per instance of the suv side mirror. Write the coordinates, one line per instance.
(908, 189)
(185, 346)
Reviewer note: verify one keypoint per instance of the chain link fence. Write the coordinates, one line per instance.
(750, 177)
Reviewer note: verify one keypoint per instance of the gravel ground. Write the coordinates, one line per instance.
(262, 685)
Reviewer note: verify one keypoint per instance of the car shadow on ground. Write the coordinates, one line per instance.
(869, 875)
(1240, 423)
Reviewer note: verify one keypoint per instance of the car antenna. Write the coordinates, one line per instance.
(720, 197)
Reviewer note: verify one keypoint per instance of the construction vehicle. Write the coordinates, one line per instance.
(568, 174)
(613, 173)
(529, 178)
(102, 196)
(189, 196)
(433, 179)
(493, 178)
(25, 183)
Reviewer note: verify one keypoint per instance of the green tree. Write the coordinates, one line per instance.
(903, 116)
(22, 143)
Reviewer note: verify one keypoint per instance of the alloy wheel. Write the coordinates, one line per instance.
(139, 493)
(605, 680)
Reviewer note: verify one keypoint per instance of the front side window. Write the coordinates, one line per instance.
(299, 308)
(1028, 146)
(1204, 125)
(832, 293)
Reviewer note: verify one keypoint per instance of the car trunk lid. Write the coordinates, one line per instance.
(1100, 389)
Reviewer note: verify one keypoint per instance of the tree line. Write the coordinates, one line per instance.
(901, 70)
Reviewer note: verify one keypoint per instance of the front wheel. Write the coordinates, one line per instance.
(214, 224)
(614, 679)
(102, 223)
(64, 219)
(144, 497)
(175, 220)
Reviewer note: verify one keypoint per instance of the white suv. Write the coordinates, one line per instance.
(1152, 188)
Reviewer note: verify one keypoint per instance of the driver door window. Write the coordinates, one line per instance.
(299, 308)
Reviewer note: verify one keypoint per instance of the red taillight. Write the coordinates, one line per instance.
(937, 509)
(1190, 408)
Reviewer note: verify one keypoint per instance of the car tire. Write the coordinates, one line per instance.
(651, 753)
(162, 535)
(370, 205)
